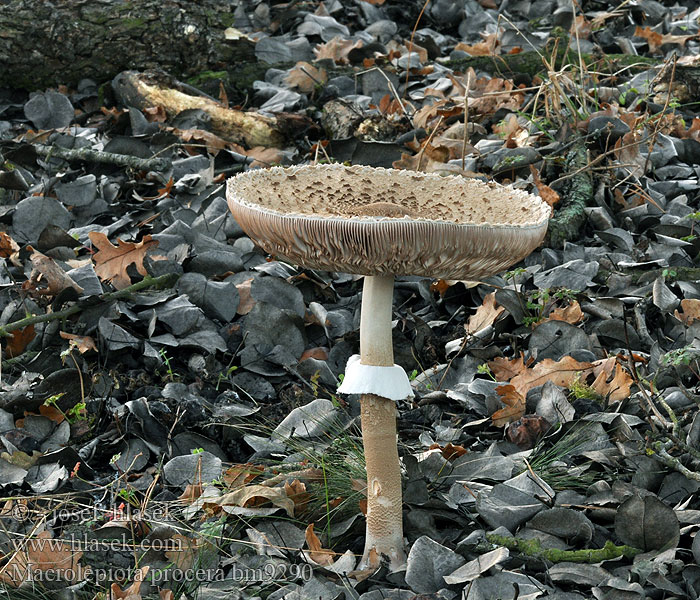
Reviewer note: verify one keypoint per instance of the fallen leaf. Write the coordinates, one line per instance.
(560, 373)
(51, 412)
(514, 409)
(486, 48)
(485, 315)
(305, 77)
(255, 495)
(615, 390)
(297, 492)
(319, 353)
(186, 551)
(449, 451)
(191, 493)
(45, 554)
(8, 246)
(47, 278)
(336, 49)
(82, 343)
(317, 553)
(570, 314)
(133, 591)
(504, 369)
(246, 301)
(690, 311)
(19, 341)
(546, 193)
(111, 262)
(238, 475)
(656, 40)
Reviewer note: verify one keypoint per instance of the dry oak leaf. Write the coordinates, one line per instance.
(246, 301)
(514, 409)
(317, 553)
(485, 315)
(238, 475)
(504, 369)
(615, 390)
(82, 343)
(656, 39)
(570, 314)
(690, 308)
(486, 48)
(111, 261)
(561, 373)
(297, 492)
(184, 551)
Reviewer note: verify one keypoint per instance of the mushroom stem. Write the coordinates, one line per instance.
(384, 534)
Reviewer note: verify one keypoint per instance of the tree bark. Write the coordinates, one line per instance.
(44, 44)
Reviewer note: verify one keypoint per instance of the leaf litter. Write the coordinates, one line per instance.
(154, 359)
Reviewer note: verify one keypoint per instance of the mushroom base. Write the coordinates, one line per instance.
(384, 516)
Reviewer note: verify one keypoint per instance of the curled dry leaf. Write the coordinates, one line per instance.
(47, 278)
(255, 495)
(246, 301)
(486, 48)
(546, 193)
(317, 553)
(111, 262)
(337, 49)
(8, 246)
(82, 343)
(238, 475)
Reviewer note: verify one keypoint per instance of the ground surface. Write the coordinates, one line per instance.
(165, 382)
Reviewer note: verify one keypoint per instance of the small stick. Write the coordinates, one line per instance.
(109, 158)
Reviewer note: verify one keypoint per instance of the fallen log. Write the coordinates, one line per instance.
(45, 44)
(155, 89)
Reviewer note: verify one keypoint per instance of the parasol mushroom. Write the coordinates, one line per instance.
(381, 223)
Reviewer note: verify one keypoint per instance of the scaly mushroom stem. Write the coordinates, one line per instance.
(384, 517)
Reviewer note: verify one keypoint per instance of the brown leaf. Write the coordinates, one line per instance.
(8, 246)
(47, 278)
(319, 353)
(690, 308)
(615, 390)
(191, 493)
(514, 409)
(51, 412)
(82, 343)
(19, 341)
(486, 48)
(238, 475)
(297, 492)
(485, 315)
(265, 157)
(133, 591)
(570, 314)
(246, 302)
(48, 555)
(317, 553)
(560, 373)
(546, 193)
(305, 77)
(186, 552)
(255, 495)
(504, 369)
(337, 49)
(656, 40)
(111, 261)
(449, 451)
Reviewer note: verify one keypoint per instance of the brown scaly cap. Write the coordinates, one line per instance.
(374, 221)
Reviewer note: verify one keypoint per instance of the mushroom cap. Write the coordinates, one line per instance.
(375, 221)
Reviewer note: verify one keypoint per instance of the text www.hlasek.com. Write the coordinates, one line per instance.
(68, 569)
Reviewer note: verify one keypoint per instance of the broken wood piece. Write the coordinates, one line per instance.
(151, 90)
